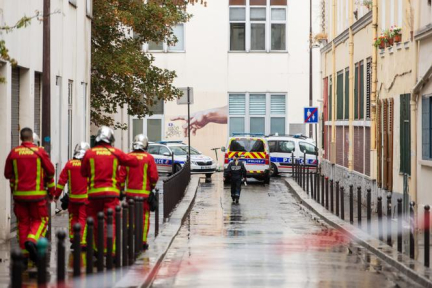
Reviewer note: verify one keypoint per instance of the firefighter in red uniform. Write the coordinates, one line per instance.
(101, 165)
(28, 167)
(78, 201)
(140, 180)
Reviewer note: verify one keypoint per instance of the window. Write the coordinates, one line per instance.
(154, 130)
(405, 134)
(308, 148)
(37, 102)
(247, 145)
(359, 91)
(89, 8)
(258, 25)
(427, 128)
(179, 46)
(368, 86)
(346, 94)
(153, 149)
(272, 146)
(70, 98)
(163, 150)
(257, 113)
(73, 2)
(286, 146)
(339, 93)
(137, 127)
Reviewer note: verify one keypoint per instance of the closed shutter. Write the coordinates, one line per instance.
(405, 137)
(368, 86)
(37, 103)
(361, 90)
(356, 86)
(330, 103)
(347, 94)
(385, 143)
(426, 127)
(339, 93)
(257, 104)
(277, 104)
(379, 143)
(15, 107)
(237, 104)
(390, 143)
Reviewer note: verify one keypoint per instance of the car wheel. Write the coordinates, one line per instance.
(177, 168)
(273, 170)
(267, 179)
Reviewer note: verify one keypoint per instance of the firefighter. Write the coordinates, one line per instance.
(236, 172)
(140, 180)
(78, 201)
(26, 167)
(101, 165)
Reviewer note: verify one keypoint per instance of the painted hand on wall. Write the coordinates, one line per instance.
(200, 119)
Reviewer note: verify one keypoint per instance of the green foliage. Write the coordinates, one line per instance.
(123, 75)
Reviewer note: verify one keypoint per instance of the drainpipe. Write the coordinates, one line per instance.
(333, 140)
(351, 90)
(374, 172)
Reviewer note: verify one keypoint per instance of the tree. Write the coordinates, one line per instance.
(122, 74)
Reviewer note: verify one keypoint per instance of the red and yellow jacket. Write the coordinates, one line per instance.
(27, 168)
(71, 174)
(140, 180)
(101, 164)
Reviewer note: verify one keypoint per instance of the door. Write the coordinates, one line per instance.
(282, 154)
(165, 155)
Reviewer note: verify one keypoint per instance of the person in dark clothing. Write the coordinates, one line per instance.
(236, 172)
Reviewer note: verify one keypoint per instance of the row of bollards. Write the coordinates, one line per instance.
(121, 247)
(331, 195)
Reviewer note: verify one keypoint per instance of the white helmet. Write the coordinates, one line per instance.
(36, 139)
(80, 150)
(105, 134)
(140, 142)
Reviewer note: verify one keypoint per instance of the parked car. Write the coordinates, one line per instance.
(283, 148)
(163, 153)
(254, 151)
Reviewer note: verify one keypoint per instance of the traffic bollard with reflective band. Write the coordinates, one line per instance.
(369, 209)
(380, 216)
(399, 231)
(412, 229)
(389, 228)
(125, 232)
(359, 206)
(337, 198)
(110, 239)
(61, 257)
(100, 242)
(131, 247)
(331, 196)
(42, 247)
(90, 245)
(118, 240)
(77, 250)
(351, 203)
(322, 190)
(137, 227)
(342, 195)
(327, 193)
(427, 235)
(17, 268)
(157, 213)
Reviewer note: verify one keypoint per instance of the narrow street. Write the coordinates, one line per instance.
(265, 241)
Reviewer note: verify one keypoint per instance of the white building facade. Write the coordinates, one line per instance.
(21, 95)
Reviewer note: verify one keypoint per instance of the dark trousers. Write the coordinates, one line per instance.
(235, 187)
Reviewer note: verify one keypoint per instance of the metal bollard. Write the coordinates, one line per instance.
(327, 193)
(137, 226)
(61, 257)
(337, 198)
(380, 224)
(427, 235)
(342, 212)
(307, 180)
(322, 190)
(351, 203)
(131, 231)
(331, 196)
(369, 210)
(412, 229)
(90, 246)
(125, 251)
(389, 228)
(359, 206)
(317, 187)
(17, 268)
(399, 231)
(110, 240)
(292, 164)
(77, 250)
(157, 213)
(42, 246)
(118, 242)
(100, 242)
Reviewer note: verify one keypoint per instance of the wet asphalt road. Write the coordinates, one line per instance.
(265, 241)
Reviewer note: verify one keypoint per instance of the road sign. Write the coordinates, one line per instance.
(311, 115)
(183, 100)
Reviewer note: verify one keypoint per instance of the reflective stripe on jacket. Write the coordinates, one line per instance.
(101, 164)
(71, 174)
(139, 181)
(28, 169)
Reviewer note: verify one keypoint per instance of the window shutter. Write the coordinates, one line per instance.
(379, 142)
(257, 104)
(405, 137)
(368, 86)
(347, 94)
(362, 94)
(385, 143)
(237, 104)
(426, 116)
(330, 103)
(356, 84)
(390, 140)
(277, 104)
(339, 93)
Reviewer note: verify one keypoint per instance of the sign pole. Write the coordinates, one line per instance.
(189, 142)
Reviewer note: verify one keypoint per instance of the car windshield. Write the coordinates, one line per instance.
(183, 150)
(247, 145)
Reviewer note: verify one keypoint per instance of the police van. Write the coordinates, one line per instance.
(164, 152)
(253, 150)
(283, 148)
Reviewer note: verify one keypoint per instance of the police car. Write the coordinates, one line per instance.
(282, 149)
(164, 151)
(253, 150)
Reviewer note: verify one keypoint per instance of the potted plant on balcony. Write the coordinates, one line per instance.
(367, 4)
(389, 34)
(397, 32)
(380, 41)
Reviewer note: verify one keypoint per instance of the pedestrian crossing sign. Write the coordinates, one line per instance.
(311, 115)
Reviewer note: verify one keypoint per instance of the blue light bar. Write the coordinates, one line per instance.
(170, 142)
(248, 134)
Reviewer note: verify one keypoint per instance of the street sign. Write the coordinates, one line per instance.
(311, 115)
(183, 100)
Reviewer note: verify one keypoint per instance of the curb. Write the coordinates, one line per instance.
(412, 269)
(144, 270)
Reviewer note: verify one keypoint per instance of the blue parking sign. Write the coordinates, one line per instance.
(311, 115)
